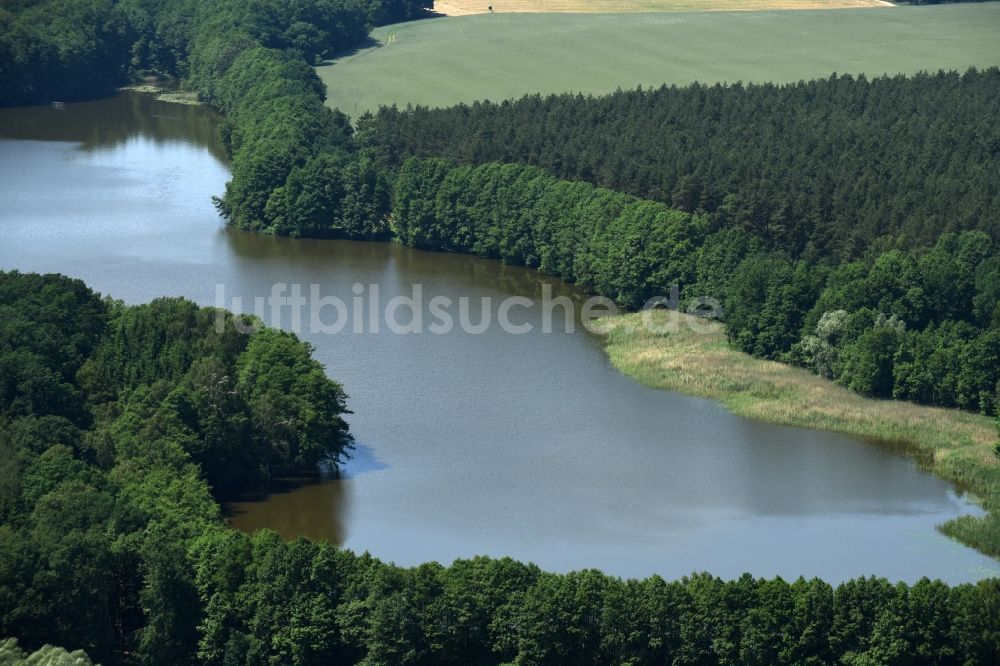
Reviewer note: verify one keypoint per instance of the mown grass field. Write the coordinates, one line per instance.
(439, 62)
(956, 445)
(463, 7)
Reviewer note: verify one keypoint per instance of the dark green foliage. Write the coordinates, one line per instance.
(35, 434)
(70, 49)
(292, 162)
(486, 611)
(241, 406)
(295, 408)
(55, 317)
(390, 11)
(910, 324)
(820, 169)
(330, 196)
(905, 328)
(63, 49)
(28, 386)
(93, 546)
(609, 243)
(48, 326)
(156, 341)
(267, 601)
(129, 560)
(284, 142)
(766, 301)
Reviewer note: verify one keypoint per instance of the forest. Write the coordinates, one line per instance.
(858, 282)
(919, 324)
(821, 170)
(873, 262)
(904, 310)
(847, 225)
(120, 425)
(75, 49)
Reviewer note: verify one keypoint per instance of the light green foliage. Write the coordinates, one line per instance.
(819, 351)
(47, 655)
(52, 468)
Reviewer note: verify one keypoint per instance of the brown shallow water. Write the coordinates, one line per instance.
(524, 445)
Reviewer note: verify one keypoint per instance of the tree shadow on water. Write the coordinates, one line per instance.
(363, 460)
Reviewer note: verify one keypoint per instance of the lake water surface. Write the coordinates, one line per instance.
(524, 445)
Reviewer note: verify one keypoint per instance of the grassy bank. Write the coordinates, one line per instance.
(446, 61)
(166, 94)
(955, 445)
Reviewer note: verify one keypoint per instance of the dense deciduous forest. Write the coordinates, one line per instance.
(913, 317)
(919, 324)
(848, 225)
(115, 422)
(119, 422)
(900, 306)
(69, 49)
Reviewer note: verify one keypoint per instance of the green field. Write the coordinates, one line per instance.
(439, 62)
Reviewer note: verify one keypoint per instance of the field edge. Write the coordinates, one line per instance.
(476, 7)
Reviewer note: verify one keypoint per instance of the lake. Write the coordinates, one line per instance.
(528, 445)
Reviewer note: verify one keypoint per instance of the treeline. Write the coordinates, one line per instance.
(847, 225)
(61, 50)
(72, 49)
(99, 378)
(914, 316)
(113, 421)
(269, 601)
(821, 170)
(295, 167)
(115, 424)
(293, 163)
(920, 325)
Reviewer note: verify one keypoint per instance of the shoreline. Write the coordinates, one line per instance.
(955, 445)
(170, 94)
